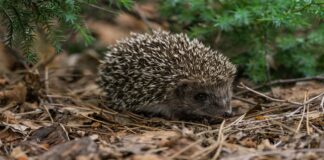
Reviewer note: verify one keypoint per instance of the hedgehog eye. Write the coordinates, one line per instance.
(201, 97)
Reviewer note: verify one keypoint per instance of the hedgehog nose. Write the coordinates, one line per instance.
(228, 112)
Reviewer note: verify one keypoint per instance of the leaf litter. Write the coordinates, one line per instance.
(70, 123)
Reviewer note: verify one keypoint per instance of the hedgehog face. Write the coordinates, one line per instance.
(199, 99)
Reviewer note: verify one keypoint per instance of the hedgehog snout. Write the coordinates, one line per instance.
(224, 107)
(227, 106)
(228, 112)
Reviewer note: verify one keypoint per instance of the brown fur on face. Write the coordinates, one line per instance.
(192, 100)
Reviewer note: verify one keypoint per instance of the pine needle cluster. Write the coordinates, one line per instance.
(55, 18)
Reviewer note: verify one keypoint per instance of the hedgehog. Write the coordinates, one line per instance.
(167, 74)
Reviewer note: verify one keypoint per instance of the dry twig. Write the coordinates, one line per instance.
(267, 97)
(283, 81)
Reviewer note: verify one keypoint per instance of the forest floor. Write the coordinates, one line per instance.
(54, 110)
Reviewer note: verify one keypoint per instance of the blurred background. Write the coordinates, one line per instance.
(267, 39)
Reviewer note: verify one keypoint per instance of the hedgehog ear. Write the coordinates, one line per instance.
(182, 86)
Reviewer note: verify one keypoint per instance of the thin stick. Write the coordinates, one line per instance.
(36, 111)
(322, 104)
(220, 141)
(244, 100)
(284, 81)
(204, 151)
(239, 119)
(211, 148)
(307, 119)
(7, 107)
(65, 131)
(47, 111)
(185, 149)
(272, 152)
(270, 98)
(312, 99)
(294, 112)
(283, 125)
(47, 84)
(317, 129)
(301, 119)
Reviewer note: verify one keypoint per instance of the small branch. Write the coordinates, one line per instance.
(312, 99)
(283, 81)
(244, 100)
(267, 97)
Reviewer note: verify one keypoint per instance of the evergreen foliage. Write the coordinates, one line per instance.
(270, 38)
(23, 18)
(267, 38)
